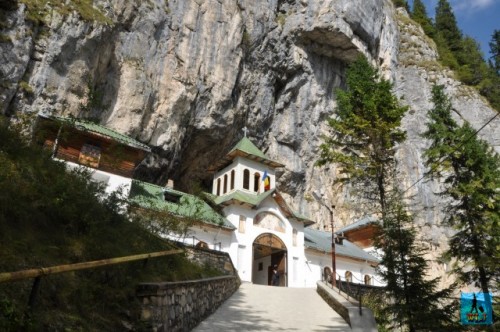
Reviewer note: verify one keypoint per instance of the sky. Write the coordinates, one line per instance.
(476, 18)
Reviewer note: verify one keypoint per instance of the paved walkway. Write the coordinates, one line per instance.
(265, 308)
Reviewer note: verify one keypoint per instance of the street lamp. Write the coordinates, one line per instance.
(330, 210)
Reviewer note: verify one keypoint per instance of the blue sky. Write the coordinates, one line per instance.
(476, 18)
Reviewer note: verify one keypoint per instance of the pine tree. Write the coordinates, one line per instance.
(473, 69)
(471, 173)
(419, 15)
(446, 26)
(415, 301)
(495, 51)
(490, 86)
(366, 130)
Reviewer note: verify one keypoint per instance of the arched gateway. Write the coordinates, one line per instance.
(269, 250)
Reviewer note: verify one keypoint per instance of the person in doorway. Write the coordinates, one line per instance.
(474, 304)
(275, 279)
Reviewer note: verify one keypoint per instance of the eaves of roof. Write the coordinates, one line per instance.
(244, 148)
(322, 241)
(100, 130)
(150, 196)
(364, 222)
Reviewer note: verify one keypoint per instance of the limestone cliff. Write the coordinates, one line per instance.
(185, 76)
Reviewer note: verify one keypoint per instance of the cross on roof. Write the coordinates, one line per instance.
(245, 131)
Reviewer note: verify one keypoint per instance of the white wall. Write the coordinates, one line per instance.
(317, 261)
(261, 277)
(113, 182)
(239, 164)
(247, 239)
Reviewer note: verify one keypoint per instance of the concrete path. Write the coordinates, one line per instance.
(265, 308)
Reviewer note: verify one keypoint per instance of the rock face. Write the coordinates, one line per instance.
(185, 76)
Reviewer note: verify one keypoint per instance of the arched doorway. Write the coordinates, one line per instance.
(269, 250)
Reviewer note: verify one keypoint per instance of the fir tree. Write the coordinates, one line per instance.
(495, 51)
(419, 15)
(415, 301)
(473, 69)
(446, 26)
(366, 130)
(490, 86)
(471, 173)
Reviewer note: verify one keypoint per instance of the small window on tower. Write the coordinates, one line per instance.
(256, 182)
(218, 187)
(243, 221)
(246, 179)
(232, 180)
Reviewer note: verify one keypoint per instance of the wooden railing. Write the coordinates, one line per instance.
(45, 271)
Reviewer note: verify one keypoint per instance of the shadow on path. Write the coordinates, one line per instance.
(264, 308)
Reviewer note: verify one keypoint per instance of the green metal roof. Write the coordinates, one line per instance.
(101, 130)
(358, 224)
(243, 197)
(244, 148)
(151, 196)
(247, 146)
(255, 200)
(322, 241)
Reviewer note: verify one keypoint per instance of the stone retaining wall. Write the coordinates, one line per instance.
(180, 306)
(213, 258)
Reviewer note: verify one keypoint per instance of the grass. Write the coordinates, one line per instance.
(51, 217)
(39, 10)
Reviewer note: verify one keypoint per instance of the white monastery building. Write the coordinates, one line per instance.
(245, 215)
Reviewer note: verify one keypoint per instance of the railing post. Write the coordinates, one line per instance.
(360, 297)
(34, 292)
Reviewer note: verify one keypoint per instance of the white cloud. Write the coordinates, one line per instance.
(471, 5)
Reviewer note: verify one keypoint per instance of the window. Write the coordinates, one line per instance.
(225, 183)
(368, 280)
(246, 179)
(348, 276)
(218, 187)
(232, 180)
(243, 221)
(171, 197)
(294, 239)
(256, 182)
(90, 155)
(261, 266)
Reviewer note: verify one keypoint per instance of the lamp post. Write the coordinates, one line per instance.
(330, 210)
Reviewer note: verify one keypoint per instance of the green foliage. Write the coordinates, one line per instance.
(39, 11)
(93, 102)
(365, 131)
(50, 217)
(471, 173)
(473, 69)
(463, 54)
(419, 15)
(26, 87)
(495, 51)
(446, 26)
(401, 3)
(414, 302)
